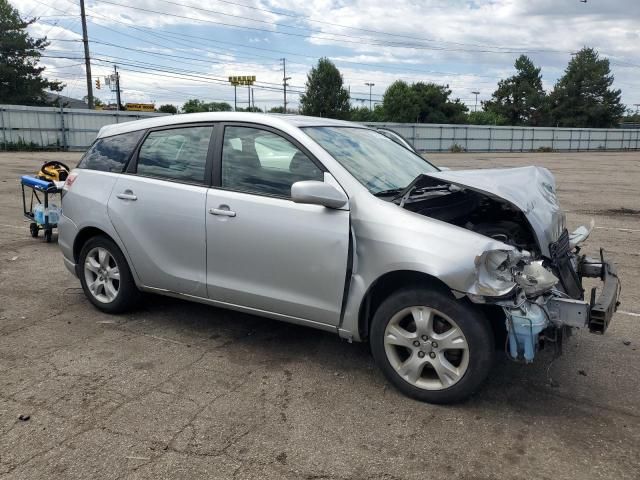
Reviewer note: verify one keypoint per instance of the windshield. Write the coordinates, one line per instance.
(377, 162)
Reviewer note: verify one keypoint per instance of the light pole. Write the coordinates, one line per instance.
(370, 85)
(476, 93)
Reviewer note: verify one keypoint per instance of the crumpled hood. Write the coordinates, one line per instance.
(530, 189)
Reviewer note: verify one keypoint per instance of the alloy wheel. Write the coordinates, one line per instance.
(102, 275)
(426, 348)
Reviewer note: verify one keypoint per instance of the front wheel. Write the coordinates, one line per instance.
(430, 346)
(105, 276)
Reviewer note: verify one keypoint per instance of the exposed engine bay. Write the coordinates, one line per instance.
(538, 287)
(475, 211)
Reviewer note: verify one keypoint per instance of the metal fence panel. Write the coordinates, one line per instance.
(75, 129)
(56, 128)
(488, 138)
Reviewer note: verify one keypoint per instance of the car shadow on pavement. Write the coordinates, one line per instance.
(510, 386)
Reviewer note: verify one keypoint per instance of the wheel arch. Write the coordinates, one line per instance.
(89, 232)
(385, 285)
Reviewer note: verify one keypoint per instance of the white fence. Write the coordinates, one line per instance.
(75, 129)
(55, 128)
(489, 138)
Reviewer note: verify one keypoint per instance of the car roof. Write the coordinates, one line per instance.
(273, 120)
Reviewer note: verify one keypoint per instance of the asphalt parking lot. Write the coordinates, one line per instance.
(180, 390)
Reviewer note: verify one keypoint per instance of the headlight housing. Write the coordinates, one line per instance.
(499, 272)
(534, 279)
(494, 271)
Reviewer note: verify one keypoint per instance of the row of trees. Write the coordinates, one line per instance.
(582, 97)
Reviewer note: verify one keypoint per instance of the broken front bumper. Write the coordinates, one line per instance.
(603, 307)
(595, 314)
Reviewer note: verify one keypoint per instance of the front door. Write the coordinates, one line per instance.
(264, 251)
(158, 209)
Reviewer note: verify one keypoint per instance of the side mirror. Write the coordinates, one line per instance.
(314, 192)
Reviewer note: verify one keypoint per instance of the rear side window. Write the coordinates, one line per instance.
(177, 154)
(110, 154)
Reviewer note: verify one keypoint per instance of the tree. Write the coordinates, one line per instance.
(250, 109)
(168, 108)
(96, 101)
(399, 104)
(280, 109)
(583, 97)
(520, 99)
(194, 105)
(21, 80)
(325, 95)
(632, 118)
(486, 118)
(421, 102)
(434, 105)
(363, 114)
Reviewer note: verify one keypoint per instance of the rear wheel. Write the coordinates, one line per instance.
(430, 346)
(105, 276)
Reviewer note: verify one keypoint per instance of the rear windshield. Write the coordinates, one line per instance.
(110, 154)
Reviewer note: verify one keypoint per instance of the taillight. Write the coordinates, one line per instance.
(69, 181)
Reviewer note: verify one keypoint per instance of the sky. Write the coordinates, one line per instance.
(168, 51)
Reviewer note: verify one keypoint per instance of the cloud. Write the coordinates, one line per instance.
(466, 44)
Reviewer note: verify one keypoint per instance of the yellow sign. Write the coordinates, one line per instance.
(140, 107)
(242, 80)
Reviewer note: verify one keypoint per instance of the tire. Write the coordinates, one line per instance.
(33, 230)
(432, 347)
(101, 260)
(47, 235)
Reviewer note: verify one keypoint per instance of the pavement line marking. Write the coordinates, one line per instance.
(11, 226)
(619, 229)
(629, 313)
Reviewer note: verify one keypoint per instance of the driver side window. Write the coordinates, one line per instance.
(261, 162)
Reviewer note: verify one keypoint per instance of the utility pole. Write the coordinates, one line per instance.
(284, 82)
(370, 85)
(117, 75)
(475, 109)
(87, 58)
(253, 99)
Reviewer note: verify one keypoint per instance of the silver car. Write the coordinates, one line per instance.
(336, 226)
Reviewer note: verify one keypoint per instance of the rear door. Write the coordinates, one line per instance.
(158, 208)
(264, 251)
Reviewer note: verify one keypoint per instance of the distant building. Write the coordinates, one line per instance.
(67, 102)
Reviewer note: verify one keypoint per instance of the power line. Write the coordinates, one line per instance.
(308, 19)
(338, 60)
(356, 40)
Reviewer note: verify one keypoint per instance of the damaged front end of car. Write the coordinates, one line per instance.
(543, 298)
(537, 278)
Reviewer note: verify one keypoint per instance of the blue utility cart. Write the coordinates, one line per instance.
(40, 214)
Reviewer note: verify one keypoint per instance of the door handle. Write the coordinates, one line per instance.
(225, 212)
(127, 195)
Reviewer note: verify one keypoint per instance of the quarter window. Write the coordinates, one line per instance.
(176, 154)
(258, 161)
(110, 154)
